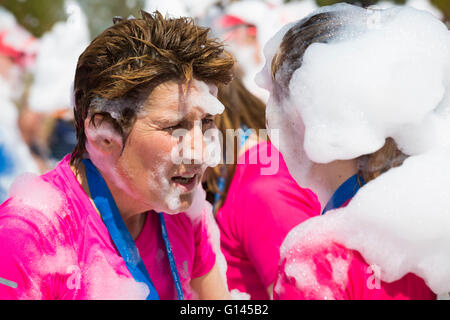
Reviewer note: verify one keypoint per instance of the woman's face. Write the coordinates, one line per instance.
(166, 152)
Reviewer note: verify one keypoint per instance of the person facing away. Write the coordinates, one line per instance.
(322, 279)
(257, 202)
(109, 221)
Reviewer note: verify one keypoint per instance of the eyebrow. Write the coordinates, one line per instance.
(168, 118)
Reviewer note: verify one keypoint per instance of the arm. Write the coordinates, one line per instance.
(211, 286)
(331, 271)
(315, 272)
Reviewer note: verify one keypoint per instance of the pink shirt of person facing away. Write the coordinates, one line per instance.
(257, 214)
(64, 251)
(335, 272)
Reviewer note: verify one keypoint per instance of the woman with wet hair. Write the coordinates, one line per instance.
(110, 221)
(317, 267)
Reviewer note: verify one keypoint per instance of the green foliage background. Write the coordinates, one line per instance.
(38, 16)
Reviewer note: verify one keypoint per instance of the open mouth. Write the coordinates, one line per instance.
(186, 181)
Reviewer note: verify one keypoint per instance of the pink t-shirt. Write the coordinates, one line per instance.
(331, 271)
(342, 274)
(54, 245)
(257, 214)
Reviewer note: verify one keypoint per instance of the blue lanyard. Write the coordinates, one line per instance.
(121, 236)
(346, 191)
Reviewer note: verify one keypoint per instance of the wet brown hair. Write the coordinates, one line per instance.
(321, 28)
(129, 59)
(241, 108)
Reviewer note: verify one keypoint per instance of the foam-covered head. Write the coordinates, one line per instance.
(342, 81)
(356, 77)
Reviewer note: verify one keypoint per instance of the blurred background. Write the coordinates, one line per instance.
(40, 41)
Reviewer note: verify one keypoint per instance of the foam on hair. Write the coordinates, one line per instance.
(385, 74)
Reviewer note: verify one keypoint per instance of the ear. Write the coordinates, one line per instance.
(101, 137)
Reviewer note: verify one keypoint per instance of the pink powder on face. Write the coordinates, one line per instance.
(71, 255)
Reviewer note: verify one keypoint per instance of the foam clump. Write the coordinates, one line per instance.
(409, 230)
(238, 295)
(392, 75)
(105, 283)
(385, 74)
(57, 59)
(29, 190)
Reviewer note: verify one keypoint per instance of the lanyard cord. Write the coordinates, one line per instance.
(345, 192)
(173, 266)
(121, 236)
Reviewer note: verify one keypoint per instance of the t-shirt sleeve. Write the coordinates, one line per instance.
(331, 271)
(267, 209)
(21, 246)
(204, 237)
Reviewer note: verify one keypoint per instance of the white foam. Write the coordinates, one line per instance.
(367, 113)
(56, 61)
(425, 5)
(11, 141)
(105, 283)
(179, 8)
(31, 191)
(267, 18)
(238, 295)
(205, 97)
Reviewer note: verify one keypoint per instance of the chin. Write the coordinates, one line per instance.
(180, 205)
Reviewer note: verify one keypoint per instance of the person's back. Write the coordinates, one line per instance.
(257, 214)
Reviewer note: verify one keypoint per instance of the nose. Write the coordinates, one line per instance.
(194, 150)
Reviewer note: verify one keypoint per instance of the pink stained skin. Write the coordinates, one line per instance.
(257, 215)
(362, 283)
(73, 257)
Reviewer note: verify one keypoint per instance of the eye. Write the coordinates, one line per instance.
(174, 127)
(207, 121)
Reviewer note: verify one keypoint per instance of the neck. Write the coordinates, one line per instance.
(133, 218)
(330, 176)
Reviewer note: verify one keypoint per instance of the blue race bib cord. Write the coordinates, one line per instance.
(346, 191)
